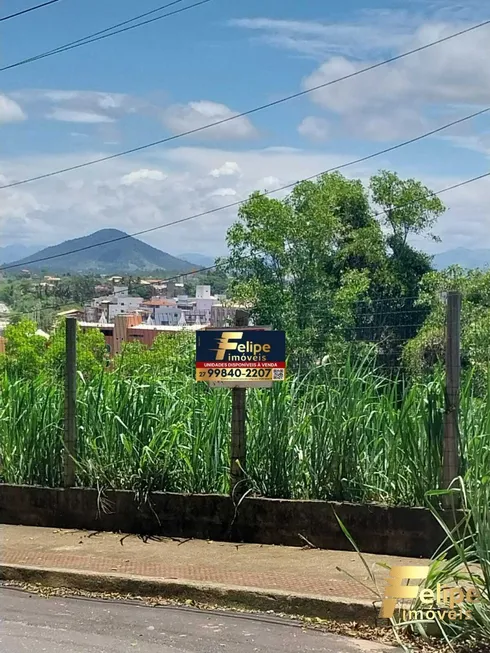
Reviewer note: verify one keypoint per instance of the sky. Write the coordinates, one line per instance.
(216, 60)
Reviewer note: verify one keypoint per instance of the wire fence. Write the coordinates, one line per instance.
(355, 425)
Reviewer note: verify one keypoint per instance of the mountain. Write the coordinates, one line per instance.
(11, 253)
(198, 259)
(126, 255)
(467, 258)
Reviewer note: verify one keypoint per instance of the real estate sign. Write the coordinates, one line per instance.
(240, 356)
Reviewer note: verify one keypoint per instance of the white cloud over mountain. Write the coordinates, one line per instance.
(170, 184)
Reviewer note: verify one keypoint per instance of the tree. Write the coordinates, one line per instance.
(408, 206)
(25, 351)
(91, 351)
(305, 263)
(427, 348)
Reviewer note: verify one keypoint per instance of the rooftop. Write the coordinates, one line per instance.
(146, 327)
(158, 301)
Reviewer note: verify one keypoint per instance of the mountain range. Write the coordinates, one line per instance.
(201, 260)
(466, 258)
(93, 253)
(12, 253)
(128, 254)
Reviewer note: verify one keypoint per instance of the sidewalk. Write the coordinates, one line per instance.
(309, 577)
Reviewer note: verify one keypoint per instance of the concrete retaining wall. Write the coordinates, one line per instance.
(376, 529)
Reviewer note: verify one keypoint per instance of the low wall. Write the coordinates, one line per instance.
(376, 529)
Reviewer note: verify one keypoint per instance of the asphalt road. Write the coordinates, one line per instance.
(30, 623)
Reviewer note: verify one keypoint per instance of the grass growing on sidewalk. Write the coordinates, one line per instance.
(341, 432)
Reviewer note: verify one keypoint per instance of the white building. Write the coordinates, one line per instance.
(203, 303)
(119, 303)
(164, 312)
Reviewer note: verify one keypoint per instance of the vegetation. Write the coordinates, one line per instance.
(343, 431)
(305, 263)
(427, 348)
(96, 253)
(360, 416)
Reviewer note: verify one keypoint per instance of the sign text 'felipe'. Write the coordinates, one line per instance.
(248, 355)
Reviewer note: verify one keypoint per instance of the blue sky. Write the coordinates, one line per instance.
(220, 58)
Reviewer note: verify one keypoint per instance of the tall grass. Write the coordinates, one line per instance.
(341, 432)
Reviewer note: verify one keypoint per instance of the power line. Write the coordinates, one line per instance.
(107, 32)
(240, 115)
(215, 265)
(270, 192)
(28, 10)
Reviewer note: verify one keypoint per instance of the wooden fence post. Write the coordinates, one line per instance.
(238, 450)
(70, 430)
(451, 462)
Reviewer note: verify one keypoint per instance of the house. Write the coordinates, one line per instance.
(163, 311)
(119, 303)
(130, 328)
(73, 312)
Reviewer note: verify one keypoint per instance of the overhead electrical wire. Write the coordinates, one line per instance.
(215, 265)
(243, 114)
(107, 32)
(28, 10)
(362, 159)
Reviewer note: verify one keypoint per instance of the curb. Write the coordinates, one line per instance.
(249, 598)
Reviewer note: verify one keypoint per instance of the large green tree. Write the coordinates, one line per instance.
(306, 263)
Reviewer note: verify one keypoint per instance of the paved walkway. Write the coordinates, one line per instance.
(301, 571)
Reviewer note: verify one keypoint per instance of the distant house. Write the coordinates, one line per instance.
(130, 328)
(163, 311)
(73, 312)
(118, 303)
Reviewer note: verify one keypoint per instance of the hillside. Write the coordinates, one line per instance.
(198, 259)
(12, 253)
(125, 255)
(467, 258)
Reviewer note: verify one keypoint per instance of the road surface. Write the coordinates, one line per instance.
(32, 624)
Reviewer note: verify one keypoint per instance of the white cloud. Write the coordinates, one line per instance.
(130, 195)
(318, 39)
(223, 192)
(229, 168)
(10, 111)
(81, 106)
(143, 175)
(396, 100)
(66, 115)
(475, 142)
(401, 98)
(186, 117)
(314, 128)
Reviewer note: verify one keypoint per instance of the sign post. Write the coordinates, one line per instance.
(240, 357)
(238, 447)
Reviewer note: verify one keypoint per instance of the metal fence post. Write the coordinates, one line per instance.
(451, 461)
(70, 430)
(238, 450)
